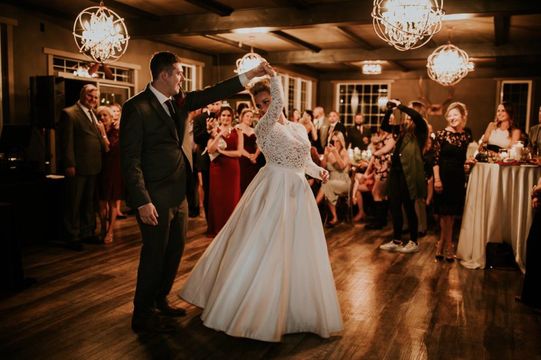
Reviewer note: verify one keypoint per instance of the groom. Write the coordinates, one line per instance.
(154, 166)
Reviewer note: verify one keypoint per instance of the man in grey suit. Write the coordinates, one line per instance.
(82, 140)
(154, 164)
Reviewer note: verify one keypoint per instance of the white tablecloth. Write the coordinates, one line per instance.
(497, 209)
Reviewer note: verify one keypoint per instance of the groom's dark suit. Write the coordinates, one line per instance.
(155, 168)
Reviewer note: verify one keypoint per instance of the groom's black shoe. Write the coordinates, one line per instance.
(145, 324)
(167, 310)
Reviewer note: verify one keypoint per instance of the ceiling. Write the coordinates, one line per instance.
(324, 37)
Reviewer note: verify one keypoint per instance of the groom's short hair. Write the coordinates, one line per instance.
(162, 61)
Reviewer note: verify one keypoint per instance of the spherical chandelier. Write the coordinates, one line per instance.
(100, 34)
(248, 62)
(407, 24)
(448, 65)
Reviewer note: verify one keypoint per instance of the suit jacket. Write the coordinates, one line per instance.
(201, 138)
(535, 136)
(80, 142)
(355, 136)
(153, 163)
(325, 133)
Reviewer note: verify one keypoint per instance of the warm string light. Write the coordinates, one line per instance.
(100, 34)
(407, 24)
(448, 65)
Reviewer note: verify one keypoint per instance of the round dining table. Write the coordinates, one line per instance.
(497, 210)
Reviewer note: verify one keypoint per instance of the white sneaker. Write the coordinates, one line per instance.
(410, 247)
(390, 246)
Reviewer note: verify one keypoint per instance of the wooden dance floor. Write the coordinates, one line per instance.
(394, 306)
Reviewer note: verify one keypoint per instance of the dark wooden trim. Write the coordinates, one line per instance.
(332, 13)
(127, 9)
(295, 40)
(502, 24)
(213, 6)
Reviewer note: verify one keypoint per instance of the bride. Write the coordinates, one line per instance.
(267, 272)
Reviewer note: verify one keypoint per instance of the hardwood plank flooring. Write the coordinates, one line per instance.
(394, 306)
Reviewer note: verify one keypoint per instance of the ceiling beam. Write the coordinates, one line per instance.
(295, 40)
(298, 4)
(235, 44)
(355, 38)
(329, 13)
(213, 6)
(127, 9)
(475, 50)
(502, 24)
(365, 45)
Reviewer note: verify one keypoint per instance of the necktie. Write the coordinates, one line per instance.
(170, 107)
(93, 119)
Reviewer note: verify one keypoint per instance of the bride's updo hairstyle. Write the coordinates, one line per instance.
(259, 87)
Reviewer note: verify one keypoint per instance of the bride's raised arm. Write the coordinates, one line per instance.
(275, 108)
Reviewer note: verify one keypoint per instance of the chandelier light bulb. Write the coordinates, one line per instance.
(448, 65)
(100, 34)
(371, 68)
(407, 24)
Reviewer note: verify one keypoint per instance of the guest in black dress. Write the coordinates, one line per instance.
(450, 148)
(530, 288)
(110, 184)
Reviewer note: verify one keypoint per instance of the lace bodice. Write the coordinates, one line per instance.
(285, 144)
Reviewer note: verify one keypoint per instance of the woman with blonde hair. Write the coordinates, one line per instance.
(336, 161)
(110, 185)
(450, 148)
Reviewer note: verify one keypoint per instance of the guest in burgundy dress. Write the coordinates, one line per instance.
(249, 165)
(110, 186)
(225, 148)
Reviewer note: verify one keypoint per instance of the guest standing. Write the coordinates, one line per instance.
(249, 165)
(202, 126)
(81, 142)
(530, 288)
(225, 149)
(406, 178)
(117, 114)
(110, 184)
(450, 148)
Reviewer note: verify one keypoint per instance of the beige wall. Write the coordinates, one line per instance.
(29, 41)
(479, 95)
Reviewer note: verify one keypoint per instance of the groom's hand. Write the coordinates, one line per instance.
(148, 214)
(260, 70)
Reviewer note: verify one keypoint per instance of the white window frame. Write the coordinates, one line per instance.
(337, 84)
(529, 102)
(286, 79)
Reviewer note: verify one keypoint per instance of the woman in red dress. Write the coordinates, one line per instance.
(225, 148)
(248, 161)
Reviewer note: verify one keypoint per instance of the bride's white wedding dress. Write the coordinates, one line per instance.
(267, 272)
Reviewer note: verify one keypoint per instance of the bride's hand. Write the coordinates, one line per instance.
(324, 174)
(269, 69)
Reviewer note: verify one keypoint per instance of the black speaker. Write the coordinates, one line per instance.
(47, 99)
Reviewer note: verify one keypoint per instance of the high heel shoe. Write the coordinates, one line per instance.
(108, 239)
